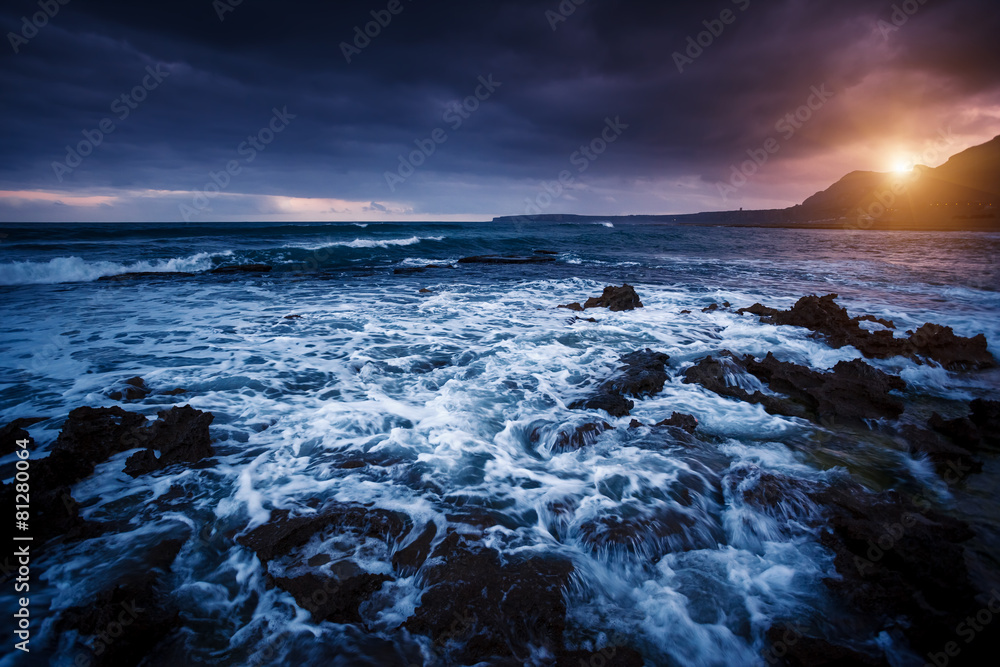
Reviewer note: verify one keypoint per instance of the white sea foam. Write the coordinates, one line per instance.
(366, 243)
(77, 269)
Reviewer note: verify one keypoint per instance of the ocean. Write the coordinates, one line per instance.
(445, 406)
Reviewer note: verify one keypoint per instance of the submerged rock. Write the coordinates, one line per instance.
(507, 259)
(335, 599)
(851, 392)
(242, 268)
(581, 437)
(932, 341)
(952, 444)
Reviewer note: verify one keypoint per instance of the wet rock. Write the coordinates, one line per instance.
(242, 268)
(685, 312)
(899, 561)
(89, 436)
(546, 252)
(574, 307)
(284, 532)
(492, 606)
(139, 602)
(850, 393)
(635, 423)
(176, 392)
(715, 307)
(411, 558)
(181, 435)
(952, 444)
(615, 405)
(407, 270)
(335, 599)
(940, 343)
(616, 299)
(135, 390)
(581, 437)
(426, 291)
(145, 275)
(293, 317)
(612, 656)
(507, 259)
(682, 421)
(935, 342)
(888, 324)
(585, 319)
(643, 374)
(16, 430)
(796, 650)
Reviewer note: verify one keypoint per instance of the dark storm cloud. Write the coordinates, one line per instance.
(352, 121)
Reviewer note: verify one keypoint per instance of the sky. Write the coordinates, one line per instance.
(227, 110)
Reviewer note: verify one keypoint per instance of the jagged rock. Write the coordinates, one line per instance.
(492, 606)
(16, 430)
(931, 341)
(616, 299)
(850, 393)
(293, 317)
(242, 268)
(682, 421)
(181, 435)
(410, 558)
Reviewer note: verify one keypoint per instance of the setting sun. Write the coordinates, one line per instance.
(902, 167)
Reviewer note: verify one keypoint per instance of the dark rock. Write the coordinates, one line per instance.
(948, 458)
(642, 375)
(141, 600)
(582, 437)
(14, 431)
(797, 650)
(931, 341)
(492, 606)
(89, 436)
(585, 319)
(635, 423)
(682, 421)
(406, 270)
(546, 252)
(283, 532)
(335, 599)
(573, 306)
(352, 465)
(940, 343)
(145, 275)
(181, 435)
(293, 317)
(612, 656)
(898, 561)
(507, 259)
(176, 392)
(242, 268)
(711, 309)
(850, 393)
(426, 291)
(411, 558)
(616, 299)
(135, 390)
(889, 324)
(685, 312)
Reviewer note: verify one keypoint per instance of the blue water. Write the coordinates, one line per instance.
(444, 388)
